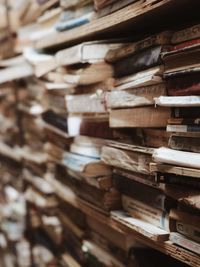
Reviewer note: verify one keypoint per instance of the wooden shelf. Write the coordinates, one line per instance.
(127, 19)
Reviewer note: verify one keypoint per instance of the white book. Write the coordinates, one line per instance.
(178, 101)
(175, 157)
(89, 52)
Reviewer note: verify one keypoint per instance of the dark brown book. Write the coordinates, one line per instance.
(184, 143)
(145, 59)
(144, 193)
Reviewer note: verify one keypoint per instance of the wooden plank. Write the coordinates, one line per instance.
(167, 168)
(101, 25)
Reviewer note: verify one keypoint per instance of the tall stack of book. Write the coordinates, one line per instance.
(179, 164)
(99, 133)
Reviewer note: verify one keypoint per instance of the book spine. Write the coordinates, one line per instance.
(186, 34)
(184, 242)
(177, 180)
(188, 231)
(145, 212)
(187, 113)
(184, 143)
(183, 128)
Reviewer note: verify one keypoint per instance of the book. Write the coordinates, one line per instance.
(42, 63)
(185, 113)
(88, 74)
(181, 59)
(178, 101)
(177, 170)
(145, 212)
(154, 197)
(138, 62)
(76, 22)
(184, 242)
(174, 157)
(146, 117)
(84, 164)
(117, 5)
(183, 128)
(143, 228)
(86, 103)
(184, 143)
(89, 52)
(186, 34)
(183, 85)
(137, 177)
(156, 137)
(188, 231)
(16, 72)
(175, 179)
(94, 126)
(142, 96)
(128, 49)
(128, 160)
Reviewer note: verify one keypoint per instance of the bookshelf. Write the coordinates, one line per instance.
(119, 21)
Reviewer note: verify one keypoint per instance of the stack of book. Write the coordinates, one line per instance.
(100, 135)
(179, 164)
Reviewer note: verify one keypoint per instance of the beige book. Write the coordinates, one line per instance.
(140, 210)
(91, 74)
(16, 72)
(86, 103)
(42, 63)
(139, 117)
(128, 160)
(144, 78)
(143, 96)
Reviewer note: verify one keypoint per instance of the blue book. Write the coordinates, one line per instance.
(73, 23)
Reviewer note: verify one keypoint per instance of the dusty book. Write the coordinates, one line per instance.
(117, 5)
(184, 242)
(145, 212)
(181, 59)
(137, 177)
(186, 34)
(184, 143)
(155, 137)
(86, 103)
(144, 193)
(128, 49)
(151, 76)
(88, 74)
(124, 159)
(146, 117)
(142, 96)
